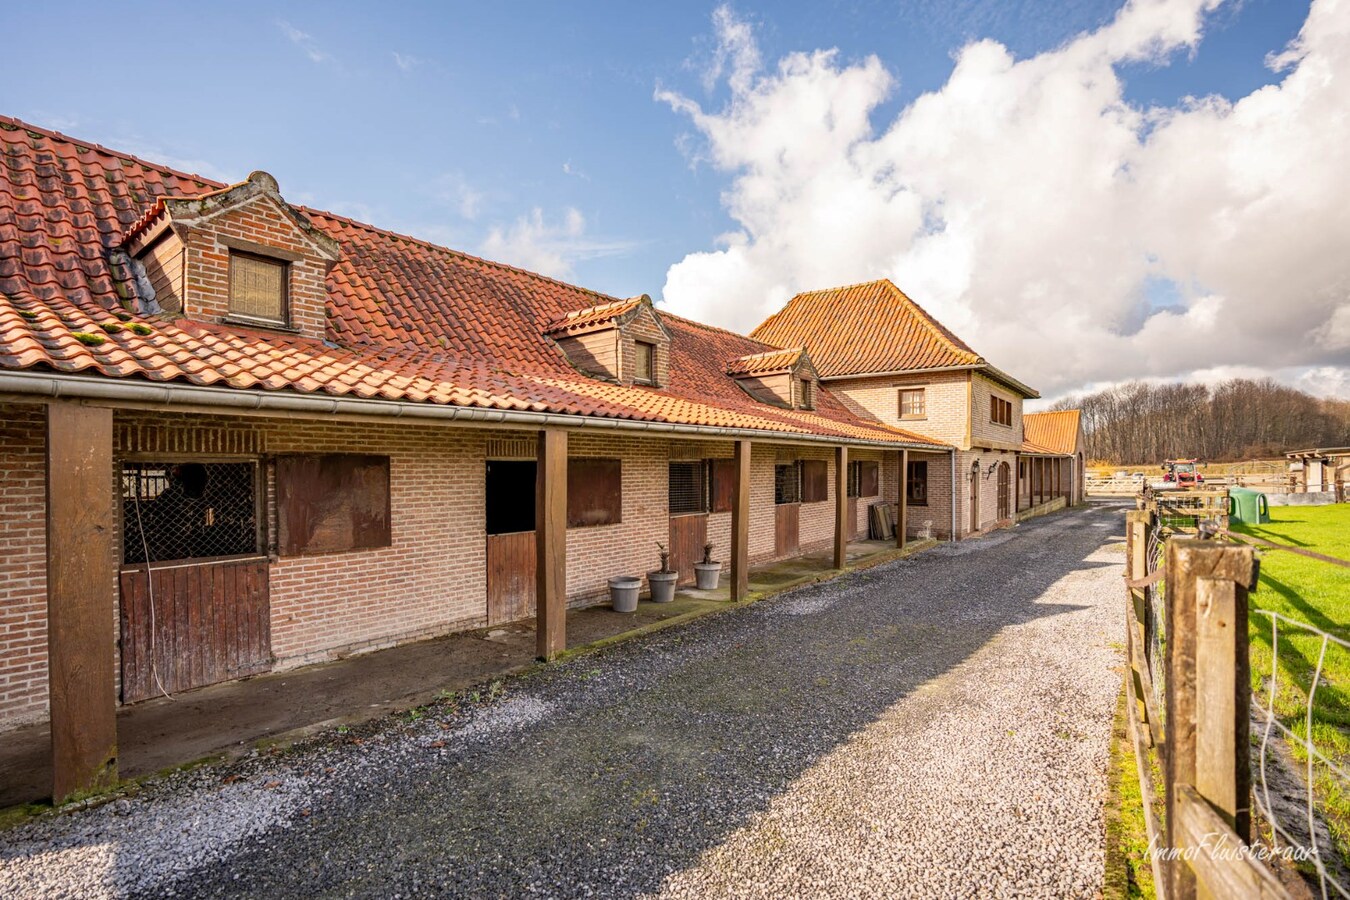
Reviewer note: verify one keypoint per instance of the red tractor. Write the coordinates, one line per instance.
(1183, 473)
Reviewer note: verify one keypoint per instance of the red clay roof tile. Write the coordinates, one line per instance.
(1056, 432)
(408, 320)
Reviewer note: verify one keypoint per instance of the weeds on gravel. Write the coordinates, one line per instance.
(1129, 836)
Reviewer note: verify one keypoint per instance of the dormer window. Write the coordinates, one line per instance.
(238, 255)
(644, 362)
(783, 378)
(258, 287)
(623, 341)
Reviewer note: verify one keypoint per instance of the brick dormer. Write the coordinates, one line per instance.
(238, 256)
(623, 341)
(785, 378)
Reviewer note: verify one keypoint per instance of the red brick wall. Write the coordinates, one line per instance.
(23, 565)
(207, 280)
(430, 581)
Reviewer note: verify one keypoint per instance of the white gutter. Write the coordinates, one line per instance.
(83, 387)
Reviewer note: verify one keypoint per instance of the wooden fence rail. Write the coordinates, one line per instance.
(1200, 733)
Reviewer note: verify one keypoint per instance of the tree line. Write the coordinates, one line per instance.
(1141, 423)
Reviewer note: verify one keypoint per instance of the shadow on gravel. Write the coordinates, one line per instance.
(632, 762)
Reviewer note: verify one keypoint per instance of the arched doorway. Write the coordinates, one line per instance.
(1004, 491)
(975, 496)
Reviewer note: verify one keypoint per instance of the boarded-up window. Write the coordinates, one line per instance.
(688, 487)
(724, 484)
(257, 287)
(644, 366)
(787, 483)
(815, 480)
(594, 492)
(916, 484)
(337, 501)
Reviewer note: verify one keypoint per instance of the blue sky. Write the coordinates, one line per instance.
(414, 115)
(493, 127)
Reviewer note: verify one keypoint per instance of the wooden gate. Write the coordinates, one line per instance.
(511, 562)
(785, 529)
(1004, 492)
(209, 622)
(688, 534)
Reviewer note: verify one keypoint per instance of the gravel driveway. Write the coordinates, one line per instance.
(933, 727)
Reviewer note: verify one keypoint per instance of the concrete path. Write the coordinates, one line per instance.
(936, 726)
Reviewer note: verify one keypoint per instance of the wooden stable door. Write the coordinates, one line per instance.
(193, 624)
(851, 527)
(688, 534)
(786, 524)
(511, 562)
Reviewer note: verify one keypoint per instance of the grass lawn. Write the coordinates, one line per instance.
(1318, 594)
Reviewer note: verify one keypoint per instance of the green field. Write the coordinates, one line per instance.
(1316, 593)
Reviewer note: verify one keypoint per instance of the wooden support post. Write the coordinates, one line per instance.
(81, 579)
(902, 508)
(1191, 562)
(740, 524)
(842, 526)
(550, 540)
(1222, 690)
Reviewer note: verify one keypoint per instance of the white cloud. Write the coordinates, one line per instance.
(1029, 206)
(549, 247)
(304, 41)
(406, 62)
(455, 190)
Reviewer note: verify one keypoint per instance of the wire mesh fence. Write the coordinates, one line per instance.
(1301, 784)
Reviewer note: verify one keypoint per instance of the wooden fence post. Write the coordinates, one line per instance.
(1223, 689)
(1136, 567)
(1193, 566)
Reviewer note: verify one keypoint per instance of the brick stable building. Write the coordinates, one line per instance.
(888, 360)
(240, 435)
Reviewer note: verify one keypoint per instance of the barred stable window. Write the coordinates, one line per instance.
(688, 487)
(916, 484)
(1000, 411)
(864, 478)
(787, 483)
(644, 367)
(188, 510)
(912, 404)
(257, 287)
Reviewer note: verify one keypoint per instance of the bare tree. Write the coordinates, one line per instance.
(1238, 419)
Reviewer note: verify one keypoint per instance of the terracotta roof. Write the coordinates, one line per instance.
(765, 363)
(1055, 432)
(407, 320)
(580, 320)
(871, 328)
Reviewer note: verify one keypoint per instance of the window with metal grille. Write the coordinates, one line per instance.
(688, 487)
(863, 478)
(188, 510)
(912, 404)
(787, 483)
(257, 287)
(916, 484)
(854, 478)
